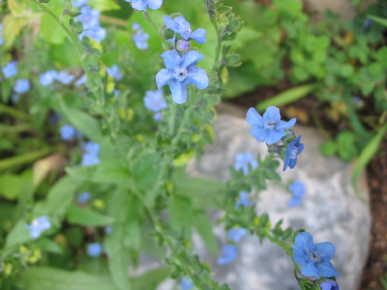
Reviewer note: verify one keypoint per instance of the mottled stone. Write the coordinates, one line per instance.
(331, 210)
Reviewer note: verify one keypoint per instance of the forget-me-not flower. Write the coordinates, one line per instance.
(10, 69)
(145, 4)
(38, 226)
(329, 285)
(48, 77)
(114, 72)
(82, 80)
(245, 162)
(297, 189)
(294, 149)
(140, 39)
(313, 259)
(186, 284)
(22, 86)
(1, 34)
(236, 234)
(229, 254)
(182, 27)
(268, 128)
(180, 72)
(94, 250)
(91, 155)
(154, 101)
(64, 77)
(67, 132)
(89, 19)
(243, 199)
(84, 197)
(96, 32)
(79, 3)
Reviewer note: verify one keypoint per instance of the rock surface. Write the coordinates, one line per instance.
(331, 211)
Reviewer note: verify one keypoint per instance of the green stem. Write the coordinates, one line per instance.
(25, 158)
(13, 112)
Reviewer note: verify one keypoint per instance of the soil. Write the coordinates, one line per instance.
(310, 112)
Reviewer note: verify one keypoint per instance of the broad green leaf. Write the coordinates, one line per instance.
(180, 213)
(287, 97)
(11, 185)
(18, 235)
(45, 278)
(50, 246)
(87, 217)
(379, 20)
(203, 225)
(151, 279)
(12, 27)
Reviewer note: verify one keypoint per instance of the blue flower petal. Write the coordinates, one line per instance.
(326, 270)
(310, 270)
(191, 57)
(155, 4)
(272, 113)
(303, 240)
(198, 77)
(287, 125)
(274, 137)
(138, 4)
(171, 58)
(163, 77)
(326, 250)
(199, 35)
(254, 118)
(179, 92)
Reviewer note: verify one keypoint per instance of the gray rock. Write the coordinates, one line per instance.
(331, 210)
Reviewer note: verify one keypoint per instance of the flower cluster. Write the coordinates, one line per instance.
(140, 38)
(143, 5)
(21, 86)
(38, 226)
(50, 76)
(89, 18)
(91, 155)
(245, 162)
(1, 34)
(10, 69)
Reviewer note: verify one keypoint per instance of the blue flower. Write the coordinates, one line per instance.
(236, 234)
(229, 254)
(158, 116)
(79, 3)
(154, 101)
(294, 149)
(82, 80)
(313, 259)
(96, 32)
(186, 284)
(108, 230)
(38, 226)
(10, 69)
(64, 77)
(141, 38)
(245, 162)
(180, 72)
(182, 27)
(243, 199)
(84, 197)
(89, 19)
(48, 77)
(329, 285)
(145, 4)
(22, 86)
(67, 132)
(114, 72)
(94, 250)
(298, 190)
(268, 128)
(90, 156)
(1, 34)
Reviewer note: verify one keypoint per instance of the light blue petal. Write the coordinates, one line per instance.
(163, 77)
(258, 133)
(304, 240)
(199, 35)
(326, 250)
(326, 270)
(272, 113)
(310, 270)
(198, 77)
(254, 118)
(171, 58)
(183, 27)
(170, 23)
(191, 57)
(274, 136)
(179, 92)
(138, 4)
(154, 4)
(287, 125)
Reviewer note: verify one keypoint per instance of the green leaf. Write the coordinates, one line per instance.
(287, 97)
(382, 21)
(87, 217)
(346, 145)
(18, 235)
(41, 278)
(50, 29)
(13, 25)
(151, 279)
(328, 148)
(366, 155)
(180, 213)
(11, 185)
(203, 225)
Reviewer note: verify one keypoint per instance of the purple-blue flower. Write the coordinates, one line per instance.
(236, 234)
(89, 19)
(10, 69)
(140, 39)
(91, 155)
(158, 116)
(114, 72)
(245, 162)
(64, 77)
(38, 226)
(48, 77)
(294, 149)
(297, 189)
(154, 101)
(82, 80)
(180, 72)
(182, 27)
(22, 86)
(329, 285)
(94, 250)
(96, 32)
(145, 4)
(67, 132)
(79, 3)
(186, 284)
(314, 259)
(268, 128)
(229, 254)
(243, 199)
(84, 197)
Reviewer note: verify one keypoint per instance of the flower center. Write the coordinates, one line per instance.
(314, 256)
(181, 74)
(270, 124)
